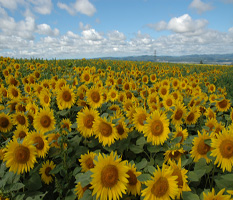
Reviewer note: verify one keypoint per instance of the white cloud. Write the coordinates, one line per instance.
(200, 6)
(81, 6)
(45, 29)
(11, 4)
(116, 35)
(91, 34)
(84, 27)
(182, 24)
(43, 7)
(230, 30)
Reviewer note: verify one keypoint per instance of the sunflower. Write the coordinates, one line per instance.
(20, 157)
(200, 148)
(11, 80)
(193, 115)
(65, 124)
(94, 97)
(85, 120)
(139, 118)
(156, 128)
(164, 90)
(122, 129)
(211, 123)
(134, 185)
(145, 79)
(5, 123)
(178, 114)
(211, 195)
(14, 92)
(223, 105)
(105, 131)
(112, 95)
(60, 83)
(20, 132)
(183, 133)
(223, 149)
(209, 113)
(45, 171)
(41, 143)
(53, 140)
(65, 97)
(153, 78)
(45, 98)
(20, 107)
(86, 161)
(20, 119)
(126, 86)
(181, 177)
(44, 120)
(109, 178)
(79, 190)
(174, 154)
(86, 77)
(162, 186)
(168, 101)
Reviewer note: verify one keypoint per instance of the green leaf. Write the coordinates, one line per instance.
(136, 149)
(16, 186)
(57, 169)
(151, 169)
(115, 121)
(153, 148)
(192, 176)
(20, 197)
(87, 195)
(177, 140)
(141, 141)
(34, 182)
(70, 195)
(190, 196)
(74, 125)
(144, 177)
(141, 164)
(64, 112)
(84, 178)
(208, 142)
(104, 115)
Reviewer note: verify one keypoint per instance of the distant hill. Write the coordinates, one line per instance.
(196, 58)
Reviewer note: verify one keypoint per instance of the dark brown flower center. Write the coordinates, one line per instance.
(88, 121)
(22, 154)
(226, 148)
(160, 187)
(95, 96)
(223, 103)
(66, 96)
(89, 163)
(21, 119)
(109, 176)
(47, 170)
(190, 117)
(45, 121)
(179, 114)
(120, 129)
(4, 122)
(22, 134)
(105, 129)
(202, 147)
(132, 178)
(39, 143)
(157, 128)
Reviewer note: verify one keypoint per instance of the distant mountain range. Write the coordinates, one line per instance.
(196, 58)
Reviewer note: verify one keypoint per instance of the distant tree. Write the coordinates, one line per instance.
(201, 62)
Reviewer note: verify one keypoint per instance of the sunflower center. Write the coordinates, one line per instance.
(46, 99)
(88, 121)
(15, 92)
(47, 170)
(14, 82)
(190, 117)
(226, 148)
(169, 102)
(141, 118)
(21, 119)
(89, 163)
(157, 127)
(178, 114)
(109, 176)
(203, 148)
(86, 77)
(223, 103)
(132, 178)
(120, 129)
(95, 96)
(22, 134)
(177, 172)
(160, 188)
(174, 155)
(163, 91)
(4, 122)
(45, 121)
(39, 143)
(22, 154)
(66, 96)
(180, 134)
(105, 129)
(126, 86)
(113, 94)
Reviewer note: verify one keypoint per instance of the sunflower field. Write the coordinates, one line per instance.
(109, 130)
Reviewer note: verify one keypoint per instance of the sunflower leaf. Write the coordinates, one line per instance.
(144, 177)
(141, 141)
(141, 164)
(190, 196)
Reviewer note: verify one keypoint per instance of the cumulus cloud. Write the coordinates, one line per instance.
(91, 34)
(182, 24)
(116, 35)
(11, 4)
(200, 6)
(84, 27)
(45, 29)
(81, 6)
(43, 7)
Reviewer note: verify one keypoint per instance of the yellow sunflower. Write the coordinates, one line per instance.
(178, 114)
(223, 149)
(112, 95)
(168, 101)
(65, 124)
(85, 120)
(45, 98)
(20, 118)
(44, 120)
(86, 161)
(134, 185)
(193, 115)
(162, 186)
(181, 177)
(20, 157)
(157, 128)
(173, 154)
(47, 166)
(6, 123)
(65, 97)
(122, 129)
(209, 113)
(139, 117)
(41, 143)
(94, 97)
(200, 148)
(183, 133)
(14, 92)
(20, 132)
(53, 140)
(223, 105)
(79, 190)
(109, 178)
(164, 90)
(211, 123)
(105, 131)
(211, 195)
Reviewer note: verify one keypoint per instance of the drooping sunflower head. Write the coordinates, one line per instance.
(46, 176)
(87, 161)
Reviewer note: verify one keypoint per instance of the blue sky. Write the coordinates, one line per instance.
(97, 28)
